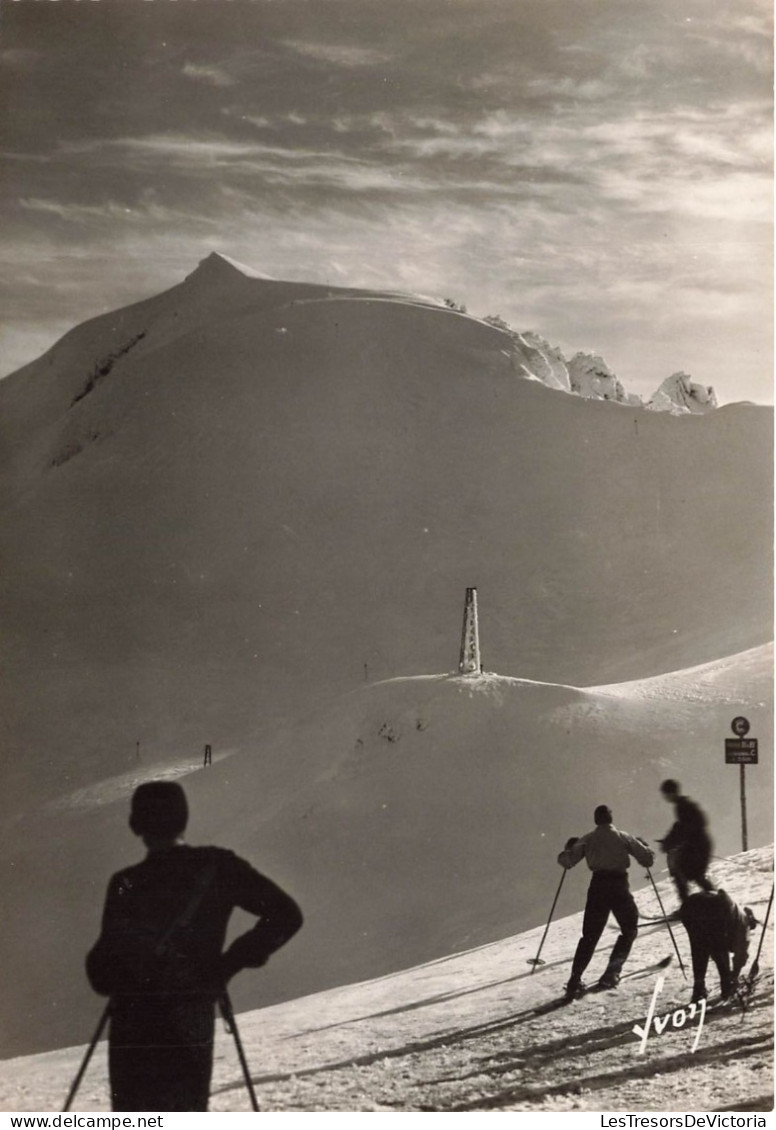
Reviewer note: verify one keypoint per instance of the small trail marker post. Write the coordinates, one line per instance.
(469, 661)
(741, 751)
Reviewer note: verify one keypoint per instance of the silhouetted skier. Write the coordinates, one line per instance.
(716, 927)
(159, 955)
(208, 755)
(687, 844)
(607, 852)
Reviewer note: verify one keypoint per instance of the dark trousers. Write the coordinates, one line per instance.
(160, 1053)
(609, 893)
(689, 863)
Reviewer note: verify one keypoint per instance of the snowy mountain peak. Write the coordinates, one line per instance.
(679, 394)
(219, 267)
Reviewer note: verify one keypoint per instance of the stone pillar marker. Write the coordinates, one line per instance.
(469, 662)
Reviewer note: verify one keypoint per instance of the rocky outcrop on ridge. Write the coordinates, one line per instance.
(679, 394)
(591, 377)
(588, 375)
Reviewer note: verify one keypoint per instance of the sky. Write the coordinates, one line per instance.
(597, 171)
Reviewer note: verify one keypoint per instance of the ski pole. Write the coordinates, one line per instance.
(756, 963)
(87, 1057)
(668, 924)
(534, 961)
(231, 1026)
(745, 989)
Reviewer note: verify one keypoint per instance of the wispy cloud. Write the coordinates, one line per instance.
(567, 87)
(74, 212)
(210, 74)
(339, 54)
(196, 155)
(110, 213)
(568, 165)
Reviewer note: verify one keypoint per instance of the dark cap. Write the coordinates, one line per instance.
(159, 808)
(670, 787)
(603, 814)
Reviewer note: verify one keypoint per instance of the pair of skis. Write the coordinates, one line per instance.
(631, 975)
(560, 1002)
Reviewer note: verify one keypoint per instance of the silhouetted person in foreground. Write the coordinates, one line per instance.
(687, 844)
(159, 956)
(607, 852)
(717, 928)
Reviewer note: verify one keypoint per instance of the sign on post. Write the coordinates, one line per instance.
(741, 751)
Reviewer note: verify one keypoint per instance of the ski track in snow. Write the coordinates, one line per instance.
(458, 1034)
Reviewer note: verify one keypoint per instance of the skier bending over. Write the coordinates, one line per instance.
(687, 844)
(607, 852)
(716, 927)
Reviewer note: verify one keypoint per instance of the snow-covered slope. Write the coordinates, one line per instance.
(458, 1034)
(411, 818)
(220, 504)
(238, 512)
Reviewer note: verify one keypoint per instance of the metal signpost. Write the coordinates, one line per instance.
(741, 751)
